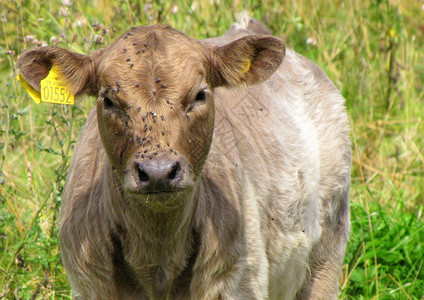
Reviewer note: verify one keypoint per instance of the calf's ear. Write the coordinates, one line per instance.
(77, 70)
(249, 60)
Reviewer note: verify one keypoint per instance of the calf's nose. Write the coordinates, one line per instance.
(161, 174)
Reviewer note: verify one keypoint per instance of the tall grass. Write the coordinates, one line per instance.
(372, 50)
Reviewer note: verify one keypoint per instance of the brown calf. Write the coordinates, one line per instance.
(215, 169)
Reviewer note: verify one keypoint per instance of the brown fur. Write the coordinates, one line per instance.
(261, 211)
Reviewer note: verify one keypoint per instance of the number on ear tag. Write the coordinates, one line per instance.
(54, 89)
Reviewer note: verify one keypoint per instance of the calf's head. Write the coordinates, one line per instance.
(155, 108)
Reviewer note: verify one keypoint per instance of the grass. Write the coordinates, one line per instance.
(372, 50)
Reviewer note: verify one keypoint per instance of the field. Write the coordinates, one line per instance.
(372, 50)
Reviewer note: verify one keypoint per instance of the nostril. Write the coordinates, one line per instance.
(142, 175)
(158, 175)
(175, 169)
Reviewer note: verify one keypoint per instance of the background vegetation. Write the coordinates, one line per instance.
(373, 51)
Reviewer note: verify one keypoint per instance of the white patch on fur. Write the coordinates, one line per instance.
(293, 101)
(256, 256)
(291, 248)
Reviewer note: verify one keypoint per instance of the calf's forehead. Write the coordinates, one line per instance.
(148, 57)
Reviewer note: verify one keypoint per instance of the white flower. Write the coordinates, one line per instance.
(67, 2)
(29, 38)
(174, 9)
(311, 41)
(98, 39)
(54, 41)
(80, 21)
(193, 6)
(63, 11)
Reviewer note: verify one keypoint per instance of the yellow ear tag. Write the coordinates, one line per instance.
(54, 89)
(35, 95)
(246, 66)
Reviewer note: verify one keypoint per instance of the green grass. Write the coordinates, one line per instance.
(372, 50)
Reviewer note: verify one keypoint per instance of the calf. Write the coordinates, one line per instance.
(216, 169)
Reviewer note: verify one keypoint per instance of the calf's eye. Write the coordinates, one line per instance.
(201, 96)
(107, 102)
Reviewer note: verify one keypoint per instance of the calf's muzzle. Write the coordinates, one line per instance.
(158, 175)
